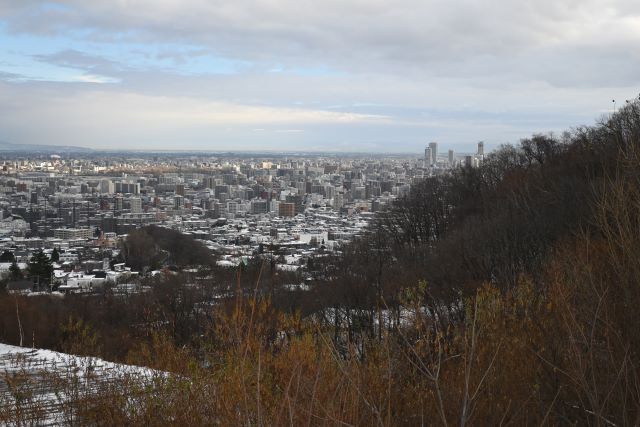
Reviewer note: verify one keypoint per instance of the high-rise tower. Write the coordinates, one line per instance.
(427, 157)
(433, 146)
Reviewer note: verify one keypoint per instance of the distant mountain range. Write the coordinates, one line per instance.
(30, 148)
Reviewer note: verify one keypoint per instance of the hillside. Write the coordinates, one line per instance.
(502, 294)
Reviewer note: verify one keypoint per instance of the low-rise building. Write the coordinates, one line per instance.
(72, 233)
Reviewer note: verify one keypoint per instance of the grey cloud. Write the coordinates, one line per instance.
(10, 76)
(181, 56)
(420, 37)
(81, 60)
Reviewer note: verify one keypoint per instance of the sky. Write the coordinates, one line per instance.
(302, 75)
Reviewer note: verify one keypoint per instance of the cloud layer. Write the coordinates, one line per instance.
(350, 74)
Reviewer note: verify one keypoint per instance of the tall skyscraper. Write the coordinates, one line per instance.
(480, 148)
(427, 157)
(451, 157)
(433, 146)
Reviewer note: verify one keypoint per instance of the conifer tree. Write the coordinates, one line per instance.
(7, 256)
(55, 255)
(14, 271)
(40, 267)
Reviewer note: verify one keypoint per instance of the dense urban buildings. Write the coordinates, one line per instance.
(83, 207)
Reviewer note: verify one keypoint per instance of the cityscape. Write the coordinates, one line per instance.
(234, 205)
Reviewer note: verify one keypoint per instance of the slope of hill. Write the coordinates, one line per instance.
(46, 384)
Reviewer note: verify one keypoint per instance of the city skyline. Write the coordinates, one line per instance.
(9, 151)
(292, 76)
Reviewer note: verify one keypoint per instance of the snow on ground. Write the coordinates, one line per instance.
(43, 384)
(14, 358)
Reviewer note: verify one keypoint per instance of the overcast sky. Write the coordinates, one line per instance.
(327, 75)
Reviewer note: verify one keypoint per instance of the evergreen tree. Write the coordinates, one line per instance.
(40, 267)
(55, 255)
(14, 272)
(7, 256)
